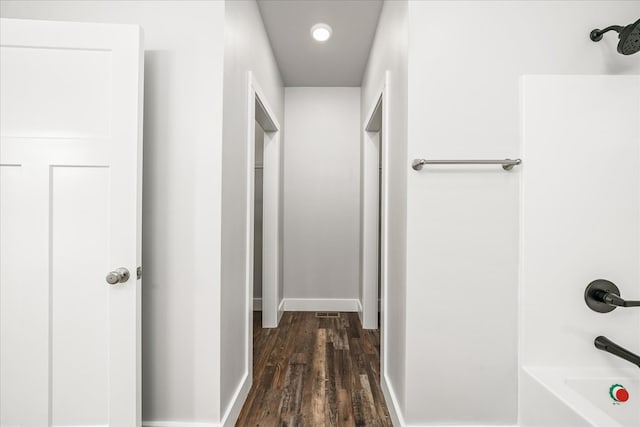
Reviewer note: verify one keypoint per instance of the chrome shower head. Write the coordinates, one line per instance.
(629, 37)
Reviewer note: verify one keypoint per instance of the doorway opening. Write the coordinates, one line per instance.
(263, 270)
(257, 217)
(323, 352)
(373, 196)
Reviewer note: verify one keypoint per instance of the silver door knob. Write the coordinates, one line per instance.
(119, 275)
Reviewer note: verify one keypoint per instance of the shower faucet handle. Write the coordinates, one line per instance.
(603, 296)
(605, 344)
(613, 299)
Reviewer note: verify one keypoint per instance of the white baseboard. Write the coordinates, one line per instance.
(257, 306)
(392, 402)
(86, 425)
(280, 310)
(320, 304)
(177, 424)
(397, 417)
(233, 411)
(313, 304)
(229, 418)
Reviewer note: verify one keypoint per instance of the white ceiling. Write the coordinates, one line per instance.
(341, 60)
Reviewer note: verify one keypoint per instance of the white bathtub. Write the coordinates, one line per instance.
(580, 397)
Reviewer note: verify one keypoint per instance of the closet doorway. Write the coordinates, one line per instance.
(373, 211)
(263, 269)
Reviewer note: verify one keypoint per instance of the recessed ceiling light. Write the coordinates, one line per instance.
(321, 32)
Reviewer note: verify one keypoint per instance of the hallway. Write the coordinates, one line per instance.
(314, 371)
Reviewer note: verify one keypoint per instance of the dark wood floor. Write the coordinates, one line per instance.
(315, 372)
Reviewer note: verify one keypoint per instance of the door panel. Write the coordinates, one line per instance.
(80, 350)
(15, 305)
(70, 157)
(69, 93)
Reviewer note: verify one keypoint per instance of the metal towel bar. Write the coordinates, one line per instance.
(507, 164)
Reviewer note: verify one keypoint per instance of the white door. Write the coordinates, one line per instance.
(70, 191)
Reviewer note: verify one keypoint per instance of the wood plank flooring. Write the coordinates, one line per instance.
(314, 372)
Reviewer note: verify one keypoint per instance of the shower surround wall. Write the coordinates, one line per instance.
(580, 222)
(580, 216)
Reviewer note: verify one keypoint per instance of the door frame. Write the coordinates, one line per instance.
(374, 144)
(256, 101)
(259, 110)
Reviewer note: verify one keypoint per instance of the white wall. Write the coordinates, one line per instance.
(181, 209)
(462, 223)
(389, 53)
(322, 193)
(246, 49)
